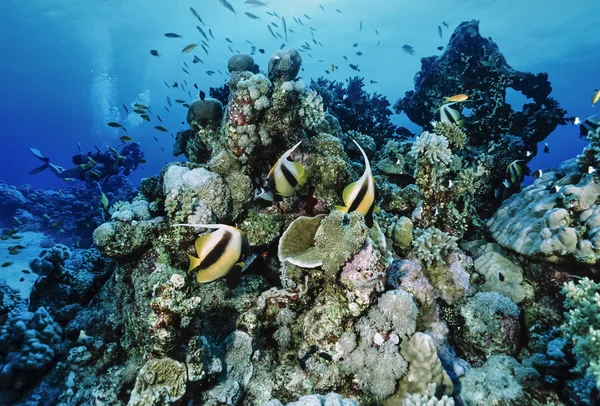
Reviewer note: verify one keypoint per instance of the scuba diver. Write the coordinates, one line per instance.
(94, 166)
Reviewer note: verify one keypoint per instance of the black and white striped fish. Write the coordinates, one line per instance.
(359, 196)
(514, 172)
(285, 176)
(589, 124)
(447, 113)
(220, 253)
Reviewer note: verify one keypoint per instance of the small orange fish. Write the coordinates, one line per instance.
(457, 98)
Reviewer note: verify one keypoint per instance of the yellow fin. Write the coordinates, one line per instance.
(205, 276)
(377, 209)
(194, 262)
(301, 173)
(199, 244)
(347, 192)
(341, 208)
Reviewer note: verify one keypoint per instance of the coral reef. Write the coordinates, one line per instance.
(356, 109)
(68, 215)
(28, 344)
(499, 381)
(494, 135)
(467, 59)
(432, 245)
(317, 301)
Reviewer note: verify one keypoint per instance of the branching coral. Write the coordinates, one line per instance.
(591, 154)
(453, 133)
(433, 148)
(583, 324)
(380, 331)
(432, 245)
(355, 108)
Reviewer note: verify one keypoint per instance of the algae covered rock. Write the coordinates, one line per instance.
(329, 171)
(123, 239)
(284, 65)
(185, 188)
(261, 229)
(501, 275)
(240, 63)
(159, 382)
(203, 112)
(339, 237)
(500, 381)
(491, 326)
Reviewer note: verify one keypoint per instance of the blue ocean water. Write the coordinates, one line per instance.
(68, 67)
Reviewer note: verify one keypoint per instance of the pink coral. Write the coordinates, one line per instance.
(364, 274)
(415, 282)
(235, 111)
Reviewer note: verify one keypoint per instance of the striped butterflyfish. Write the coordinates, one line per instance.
(286, 175)
(589, 124)
(219, 252)
(360, 195)
(514, 172)
(448, 113)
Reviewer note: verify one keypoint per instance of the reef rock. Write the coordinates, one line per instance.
(284, 65)
(491, 326)
(474, 65)
(500, 381)
(240, 63)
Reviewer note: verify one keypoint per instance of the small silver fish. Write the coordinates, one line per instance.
(228, 6)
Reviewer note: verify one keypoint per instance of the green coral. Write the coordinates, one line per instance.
(329, 171)
(398, 229)
(325, 319)
(491, 326)
(397, 199)
(338, 238)
(453, 133)
(261, 228)
(390, 160)
(241, 190)
(583, 324)
(121, 239)
(425, 369)
(297, 244)
(159, 382)
(432, 245)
